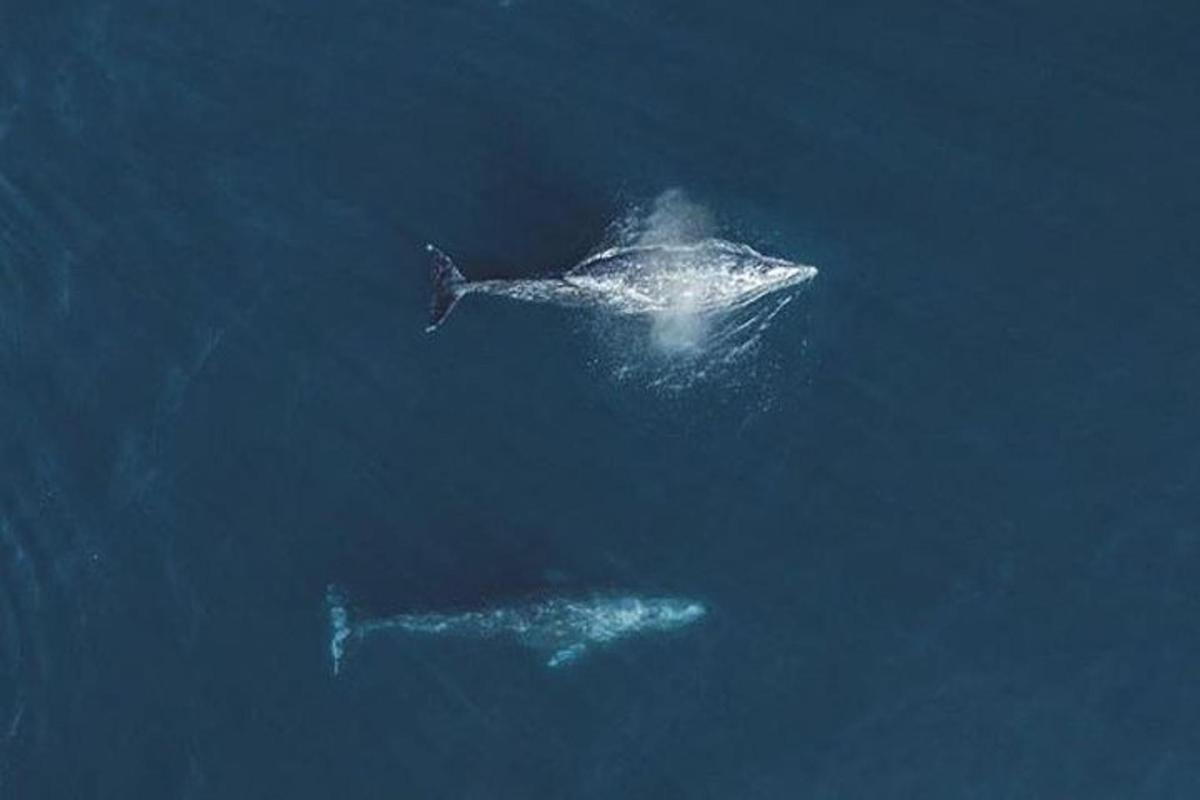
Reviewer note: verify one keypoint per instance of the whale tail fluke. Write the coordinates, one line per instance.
(340, 628)
(448, 286)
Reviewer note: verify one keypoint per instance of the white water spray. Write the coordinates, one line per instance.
(684, 342)
(679, 329)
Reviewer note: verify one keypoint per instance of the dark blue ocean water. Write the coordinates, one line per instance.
(946, 517)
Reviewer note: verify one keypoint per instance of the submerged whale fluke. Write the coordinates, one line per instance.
(339, 625)
(448, 285)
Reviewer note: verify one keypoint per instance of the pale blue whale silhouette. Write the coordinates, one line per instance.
(562, 629)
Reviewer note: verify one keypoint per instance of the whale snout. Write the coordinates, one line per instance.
(790, 273)
(682, 612)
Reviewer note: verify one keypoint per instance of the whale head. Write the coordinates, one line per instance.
(629, 615)
(784, 273)
(669, 613)
(712, 275)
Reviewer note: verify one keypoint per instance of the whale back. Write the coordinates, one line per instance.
(708, 255)
(700, 276)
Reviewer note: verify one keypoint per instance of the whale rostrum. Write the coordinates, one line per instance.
(701, 277)
(560, 629)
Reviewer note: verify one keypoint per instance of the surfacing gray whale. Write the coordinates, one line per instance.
(701, 277)
(561, 629)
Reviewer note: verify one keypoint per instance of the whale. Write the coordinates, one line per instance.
(561, 629)
(702, 277)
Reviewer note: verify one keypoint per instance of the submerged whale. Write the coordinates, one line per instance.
(700, 277)
(561, 629)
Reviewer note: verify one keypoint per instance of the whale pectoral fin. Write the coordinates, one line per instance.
(567, 655)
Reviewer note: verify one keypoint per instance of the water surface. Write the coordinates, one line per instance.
(945, 519)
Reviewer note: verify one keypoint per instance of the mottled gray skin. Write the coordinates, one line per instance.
(701, 277)
(563, 629)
